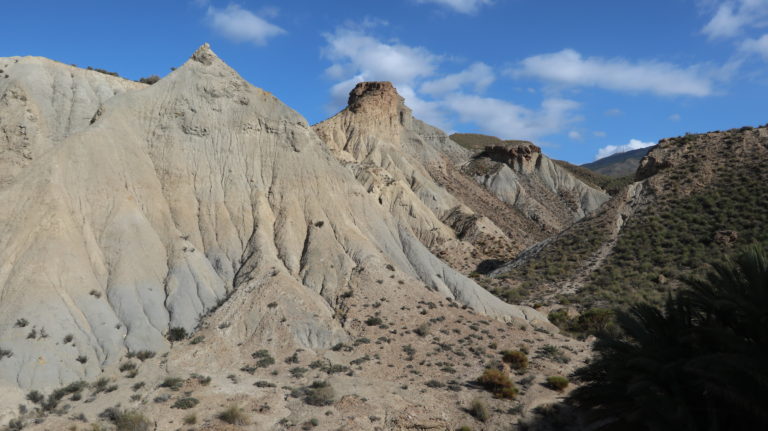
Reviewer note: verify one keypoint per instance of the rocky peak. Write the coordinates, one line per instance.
(204, 55)
(518, 152)
(380, 98)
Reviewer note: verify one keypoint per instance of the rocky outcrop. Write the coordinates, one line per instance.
(398, 159)
(195, 190)
(520, 175)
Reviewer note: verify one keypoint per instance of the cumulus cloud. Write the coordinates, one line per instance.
(510, 121)
(733, 16)
(575, 135)
(478, 75)
(242, 25)
(569, 68)
(634, 144)
(366, 56)
(440, 100)
(462, 6)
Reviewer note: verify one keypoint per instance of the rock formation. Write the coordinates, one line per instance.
(519, 174)
(131, 209)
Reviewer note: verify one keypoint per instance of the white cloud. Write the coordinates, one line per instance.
(438, 100)
(634, 144)
(478, 75)
(462, 6)
(733, 16)
(599, 134)
(241, 25)
(431, 112)
(363, 55)
(569, 68)
(510, 121)
(575, 135)
(756, 46)
(675, 117)
(614, 112)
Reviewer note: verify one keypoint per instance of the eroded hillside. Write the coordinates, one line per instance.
(194, 242)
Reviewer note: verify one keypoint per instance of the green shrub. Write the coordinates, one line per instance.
(35, 396)
(176, 334)
(422, 330)
(515, 359)
(142, 355)
(498, 383)
(320, 394)
(373, 321)
(127, 420)
(234, 415)
(558, 383)
(152, 79)
(128, 366)
(435, 384)
(479, 410)
(190, 419)
(172, 383)
(185, 403)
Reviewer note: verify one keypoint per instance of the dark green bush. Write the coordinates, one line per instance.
(185, 403)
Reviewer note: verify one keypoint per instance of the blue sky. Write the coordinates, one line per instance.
(580, 78)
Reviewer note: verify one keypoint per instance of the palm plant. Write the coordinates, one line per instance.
(701, 363)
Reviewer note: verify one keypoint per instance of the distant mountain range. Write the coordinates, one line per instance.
(619, 165)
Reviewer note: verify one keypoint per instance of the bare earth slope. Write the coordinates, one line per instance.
(412, 168)
(175, 196)
(42, 102)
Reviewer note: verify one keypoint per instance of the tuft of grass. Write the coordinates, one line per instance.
(558, 383)
(234, 415)
(479, 410)
(172, 383)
